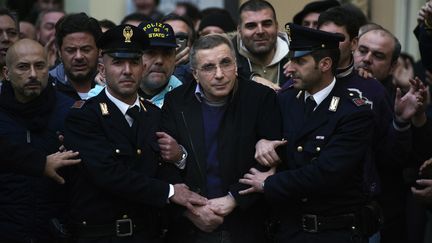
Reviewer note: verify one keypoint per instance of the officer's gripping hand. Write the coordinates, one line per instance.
(170, 150)
(222, 205)
(204, 218)
(423, 195)
(255, 179)
(187, 198)
(425, 170)
(265, 152)
(56, 161)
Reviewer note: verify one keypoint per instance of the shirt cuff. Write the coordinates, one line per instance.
(171, 191)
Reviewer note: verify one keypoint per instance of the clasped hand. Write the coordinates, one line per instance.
(208, 217)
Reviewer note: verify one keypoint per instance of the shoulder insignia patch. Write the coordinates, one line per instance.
(358, 99)
(334, 103)
(78, 104)
(104, 109)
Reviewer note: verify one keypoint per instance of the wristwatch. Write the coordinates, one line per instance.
(181, 164)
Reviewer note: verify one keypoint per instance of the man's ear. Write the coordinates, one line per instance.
(325, 64)
(101, 69)
(195, 75)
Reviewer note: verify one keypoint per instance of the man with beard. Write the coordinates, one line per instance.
(260, 49)
(9, 34)
(317, 193)
(76, 36)
(392, 134)
(159, 60)
(31, 114)
(115, 195)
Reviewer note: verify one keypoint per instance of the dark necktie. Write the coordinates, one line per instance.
(310, 104)
(134, 113)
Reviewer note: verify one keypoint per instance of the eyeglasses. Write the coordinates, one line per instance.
(226, 66)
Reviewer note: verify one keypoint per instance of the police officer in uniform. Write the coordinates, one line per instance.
(115, 196)
(317, 191)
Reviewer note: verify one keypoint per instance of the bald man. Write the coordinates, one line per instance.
(31, 114)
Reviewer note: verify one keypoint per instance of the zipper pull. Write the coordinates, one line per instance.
(28, 137)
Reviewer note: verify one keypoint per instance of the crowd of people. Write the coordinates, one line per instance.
(190, 127)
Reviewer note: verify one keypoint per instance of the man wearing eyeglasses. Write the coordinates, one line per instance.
(218, 119)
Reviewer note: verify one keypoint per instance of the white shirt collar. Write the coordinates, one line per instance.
(198, 93)
(322, 94)
(123, 107)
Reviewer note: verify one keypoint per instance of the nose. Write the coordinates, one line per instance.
(158, 59)
(4, 36)
(78, 54)
(219, 73)
(127, 68)
(290, 68)
(260, 29)
(367, 58)
(32, 72)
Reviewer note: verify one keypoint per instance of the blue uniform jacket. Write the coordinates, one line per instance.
(322, 171)
(117, 176)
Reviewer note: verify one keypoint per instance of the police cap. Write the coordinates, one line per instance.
(304, 41)
(159, 34)
(123, 41)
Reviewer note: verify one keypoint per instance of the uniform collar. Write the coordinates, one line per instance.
(123, 107)
(322, 94)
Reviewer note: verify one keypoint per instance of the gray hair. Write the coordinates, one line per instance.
(209, 42)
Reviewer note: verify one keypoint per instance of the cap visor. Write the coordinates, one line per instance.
(295, 54)
(125, 55)
(162, 44)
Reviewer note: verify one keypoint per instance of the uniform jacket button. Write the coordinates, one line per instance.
(318, 149)
(138, 151)
(299, 149)
(304, 199)
(117, 151)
